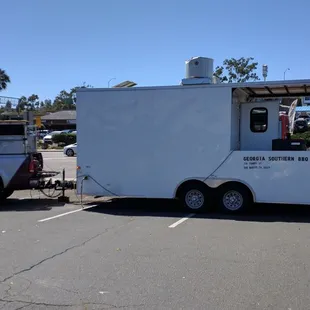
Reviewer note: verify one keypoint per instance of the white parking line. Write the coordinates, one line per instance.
(30, 197)
(66, 213)
(181, 220)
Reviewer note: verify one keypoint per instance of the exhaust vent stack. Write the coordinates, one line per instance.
(198, 70)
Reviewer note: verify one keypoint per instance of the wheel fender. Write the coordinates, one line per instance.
(184, 181)
(217, 183)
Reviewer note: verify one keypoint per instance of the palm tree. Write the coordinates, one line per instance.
(4, 79)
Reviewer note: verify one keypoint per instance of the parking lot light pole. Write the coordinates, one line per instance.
(110, 81)
(285, 73)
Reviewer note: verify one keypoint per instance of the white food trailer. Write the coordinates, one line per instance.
(199, 141)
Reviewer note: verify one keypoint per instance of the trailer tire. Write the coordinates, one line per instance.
(234, 198)
(194, 196)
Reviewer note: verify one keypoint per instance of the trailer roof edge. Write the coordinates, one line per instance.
(261, 89)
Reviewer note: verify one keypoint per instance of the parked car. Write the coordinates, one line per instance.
(300, 125)
(67, 131)
(70, 150)
(42, 133)
(48, 138)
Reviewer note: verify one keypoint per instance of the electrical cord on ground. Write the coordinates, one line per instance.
(81, 190)
(84, 178)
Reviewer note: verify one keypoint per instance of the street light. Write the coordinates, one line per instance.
(110, 81)
(288, 69)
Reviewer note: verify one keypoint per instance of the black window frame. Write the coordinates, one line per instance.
(252, 122)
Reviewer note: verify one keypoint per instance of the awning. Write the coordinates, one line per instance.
(303, 109)
(125, 84)
(295, 88)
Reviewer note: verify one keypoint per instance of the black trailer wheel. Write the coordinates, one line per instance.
(234, 198)
(194, 196)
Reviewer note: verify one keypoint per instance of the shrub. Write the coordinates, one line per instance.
(42, 145)
(64, 139)
(303, 135)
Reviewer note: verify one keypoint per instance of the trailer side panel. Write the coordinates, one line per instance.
(144, 142)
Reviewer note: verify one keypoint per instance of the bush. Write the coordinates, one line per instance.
(64, 139)
(303, 135)
(42, 145)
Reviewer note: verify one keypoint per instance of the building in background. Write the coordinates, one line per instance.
(60, 120)
(10, 116)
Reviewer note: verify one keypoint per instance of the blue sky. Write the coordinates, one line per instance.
(47, 46)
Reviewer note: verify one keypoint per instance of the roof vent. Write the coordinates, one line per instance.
(198, 70)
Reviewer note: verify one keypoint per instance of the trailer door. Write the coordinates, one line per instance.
(259, 125)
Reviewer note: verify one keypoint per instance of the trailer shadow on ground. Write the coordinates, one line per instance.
(18, 205)
(171, 208)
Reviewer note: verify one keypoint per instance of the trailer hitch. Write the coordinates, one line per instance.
(58, 185)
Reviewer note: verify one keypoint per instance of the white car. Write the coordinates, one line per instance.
(48, 138)
(70, 150)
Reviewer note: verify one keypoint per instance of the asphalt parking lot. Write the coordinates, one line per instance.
(145, 254)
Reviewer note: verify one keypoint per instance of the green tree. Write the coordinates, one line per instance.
(48, 104)
(65, 100)
(22, 104)
(74, 90)
(237, 70)
(4, 79)
(8, 105)
(33, 101)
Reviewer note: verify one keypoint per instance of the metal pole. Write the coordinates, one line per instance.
(63, 198)
(63, 182)
(110, 81)
(285, 73)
